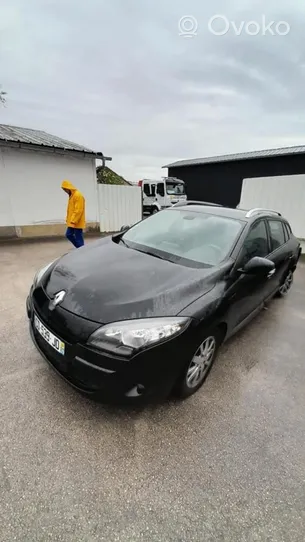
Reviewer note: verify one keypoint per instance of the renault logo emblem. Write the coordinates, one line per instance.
(58, 298)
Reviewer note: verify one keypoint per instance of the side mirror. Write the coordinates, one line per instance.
(258, 266)
(124, 228)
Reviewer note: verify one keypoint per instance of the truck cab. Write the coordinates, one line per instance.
(160, 194)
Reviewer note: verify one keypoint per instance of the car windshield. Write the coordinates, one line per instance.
(194, 239)
(176, 189)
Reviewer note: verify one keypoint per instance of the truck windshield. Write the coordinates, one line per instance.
(185, 237)
(176, 189)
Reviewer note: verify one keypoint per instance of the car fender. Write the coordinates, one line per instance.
(208, 309)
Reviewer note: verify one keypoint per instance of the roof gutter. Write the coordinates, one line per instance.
(100, 156)
(228, 158)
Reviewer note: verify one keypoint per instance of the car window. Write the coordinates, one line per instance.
(185, 237)
(256, 243)
(276, 234)
(146, 189)
(175, 188)
(287, 231)
(160, 189)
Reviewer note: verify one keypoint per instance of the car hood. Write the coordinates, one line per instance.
(106, 282)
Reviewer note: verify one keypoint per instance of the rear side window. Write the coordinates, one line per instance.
(256, 243)
(287, 231)
(276, 234)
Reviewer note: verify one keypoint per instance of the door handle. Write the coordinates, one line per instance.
(271, 273)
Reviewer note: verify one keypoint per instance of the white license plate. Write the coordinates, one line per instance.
(49, 337)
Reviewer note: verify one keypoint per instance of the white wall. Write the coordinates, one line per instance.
(285, 194)
(119, 206)
(30, 183)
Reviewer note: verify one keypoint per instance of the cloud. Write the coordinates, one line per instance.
(116, 76)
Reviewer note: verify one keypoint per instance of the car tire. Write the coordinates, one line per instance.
(154, 210)
(197, 369)
(287, 282)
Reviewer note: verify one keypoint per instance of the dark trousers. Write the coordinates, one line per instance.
(75, 236)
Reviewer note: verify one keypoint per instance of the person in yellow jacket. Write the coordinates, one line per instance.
(75, 220)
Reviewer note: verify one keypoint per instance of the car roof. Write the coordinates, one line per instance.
(228, 212)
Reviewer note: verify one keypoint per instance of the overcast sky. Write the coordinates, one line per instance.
(115, 75)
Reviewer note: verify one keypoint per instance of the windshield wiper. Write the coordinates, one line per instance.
(124, 243)
(151, 254)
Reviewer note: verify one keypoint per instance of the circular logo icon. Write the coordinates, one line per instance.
(188, 26)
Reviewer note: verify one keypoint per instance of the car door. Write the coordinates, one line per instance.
(246, 292)
(281, 254)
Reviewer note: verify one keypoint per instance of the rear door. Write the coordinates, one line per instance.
(281, 253)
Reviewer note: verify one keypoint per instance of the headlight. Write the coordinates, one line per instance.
(129, 336)
(39, 275)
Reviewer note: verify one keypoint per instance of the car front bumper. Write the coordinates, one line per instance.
(147, 377)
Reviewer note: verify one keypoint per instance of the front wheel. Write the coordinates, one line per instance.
(197, 369)
(154, 210)
(284, 289)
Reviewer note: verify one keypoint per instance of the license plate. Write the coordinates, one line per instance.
(49, 337)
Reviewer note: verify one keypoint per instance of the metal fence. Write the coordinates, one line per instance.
(285, 193)
(119, 206)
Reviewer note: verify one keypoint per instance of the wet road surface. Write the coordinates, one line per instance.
(227, 465)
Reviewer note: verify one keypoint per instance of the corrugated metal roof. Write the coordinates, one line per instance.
(38, 137)
(285, 151)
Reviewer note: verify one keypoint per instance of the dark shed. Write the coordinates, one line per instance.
(219, 179)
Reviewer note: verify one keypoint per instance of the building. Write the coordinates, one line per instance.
(273, 178)
(32, 166)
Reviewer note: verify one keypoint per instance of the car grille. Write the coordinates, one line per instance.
(66, 325)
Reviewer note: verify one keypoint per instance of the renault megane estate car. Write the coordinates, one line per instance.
(142, 313)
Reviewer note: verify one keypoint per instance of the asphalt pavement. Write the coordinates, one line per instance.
(226, 465)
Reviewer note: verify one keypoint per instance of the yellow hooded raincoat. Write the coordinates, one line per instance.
(76, 207)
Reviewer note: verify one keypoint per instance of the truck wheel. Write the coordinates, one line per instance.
(154, 210)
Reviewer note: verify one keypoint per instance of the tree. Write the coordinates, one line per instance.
(2, 96)
(105, 175)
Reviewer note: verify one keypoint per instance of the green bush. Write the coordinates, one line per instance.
(107, 176)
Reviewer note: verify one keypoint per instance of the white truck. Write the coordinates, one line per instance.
(160, 194)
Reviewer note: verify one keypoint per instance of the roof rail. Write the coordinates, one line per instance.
(193, 202)
(258, 210)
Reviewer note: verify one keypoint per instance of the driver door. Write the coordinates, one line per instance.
(247, 293)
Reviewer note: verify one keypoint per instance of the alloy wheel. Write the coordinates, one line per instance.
(284, 289)
(201, 362)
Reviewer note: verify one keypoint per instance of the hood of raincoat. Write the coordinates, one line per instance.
(68, 185)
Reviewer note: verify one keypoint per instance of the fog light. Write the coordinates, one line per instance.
(136, 391)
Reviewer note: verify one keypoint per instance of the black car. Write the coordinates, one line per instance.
(140, 314)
